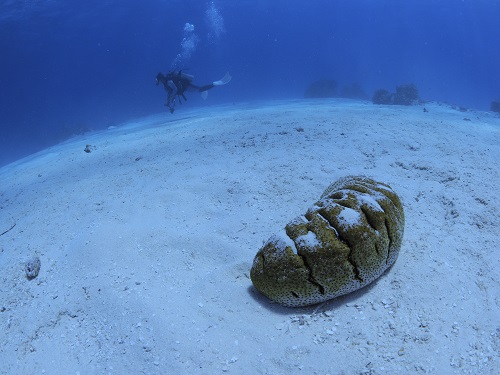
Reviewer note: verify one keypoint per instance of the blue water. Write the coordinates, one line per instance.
(68, 66)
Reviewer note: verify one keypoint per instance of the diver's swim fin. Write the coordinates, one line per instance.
(223, 80)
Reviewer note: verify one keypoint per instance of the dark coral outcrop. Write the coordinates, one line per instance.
(323, 88)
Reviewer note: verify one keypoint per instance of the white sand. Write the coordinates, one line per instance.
(146, 244)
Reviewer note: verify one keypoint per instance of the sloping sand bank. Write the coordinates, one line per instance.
(146, 244)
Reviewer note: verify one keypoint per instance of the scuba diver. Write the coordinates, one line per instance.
(177, 82)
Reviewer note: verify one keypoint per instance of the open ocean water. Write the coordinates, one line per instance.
(68, 67)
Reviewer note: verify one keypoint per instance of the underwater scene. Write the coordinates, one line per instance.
(69, 67)
(249, 187)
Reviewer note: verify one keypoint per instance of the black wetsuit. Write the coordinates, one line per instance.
(176, 83)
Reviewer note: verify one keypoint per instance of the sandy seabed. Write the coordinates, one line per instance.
(146, 243)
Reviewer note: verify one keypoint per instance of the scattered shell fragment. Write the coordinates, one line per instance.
(32, 267)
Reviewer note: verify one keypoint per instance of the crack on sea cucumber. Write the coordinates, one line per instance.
(335, 195)
(263, 262)
(390, 195)
(393, 201)
(368, 218)
(371, 224)
(389, 252)
(385, 190)
(343, 204)
(337, 233)
(310, 276)
(363, 189)
(357, 274)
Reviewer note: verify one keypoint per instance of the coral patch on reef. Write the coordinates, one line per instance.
(495, 106)
(404, 95)
(323, 88)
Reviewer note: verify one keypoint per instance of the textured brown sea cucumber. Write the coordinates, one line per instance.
(350, 237)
